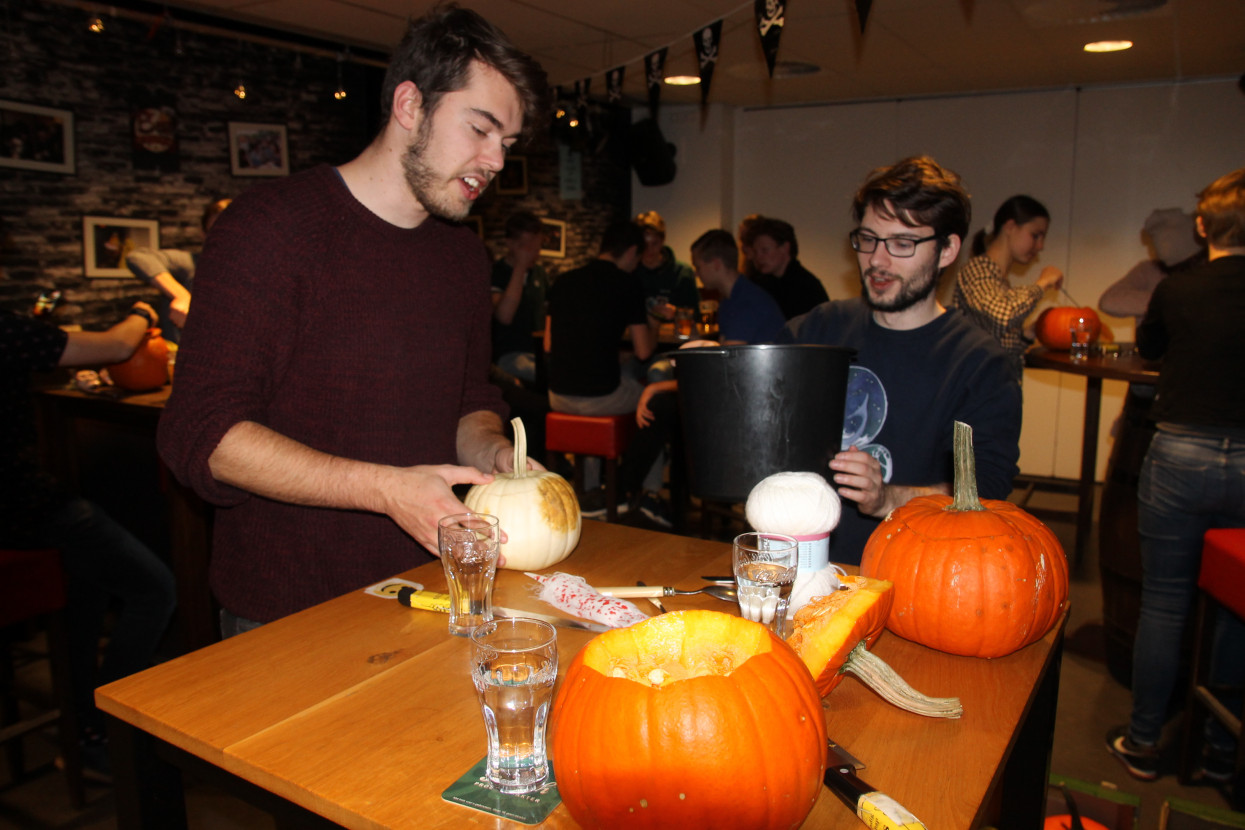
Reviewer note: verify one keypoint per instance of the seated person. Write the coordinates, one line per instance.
(668, 283)
(920, 367)
(746, 315)
(519, 286)
(778, 270)
(173, 272)
(102, 561)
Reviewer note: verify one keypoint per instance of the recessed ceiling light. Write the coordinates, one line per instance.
(1108, 46)
(682, 80)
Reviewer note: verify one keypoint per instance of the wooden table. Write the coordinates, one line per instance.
(61, 412)
(360, 711)
(1094, 369)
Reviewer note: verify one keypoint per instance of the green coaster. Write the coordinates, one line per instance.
(474, 790)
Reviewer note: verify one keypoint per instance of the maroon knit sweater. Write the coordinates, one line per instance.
(317, 319)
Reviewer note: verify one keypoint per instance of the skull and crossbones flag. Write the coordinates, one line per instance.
(707, 40)
(613, 84)
(769, 15)
(862, 12)
(655, 72)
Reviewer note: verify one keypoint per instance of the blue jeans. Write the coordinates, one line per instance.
(1189, 484)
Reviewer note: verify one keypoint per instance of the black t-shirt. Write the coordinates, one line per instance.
(529, 316)
(589, 309)
(797, 291)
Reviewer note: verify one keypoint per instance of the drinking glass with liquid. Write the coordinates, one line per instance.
(765, 566)
(1079, 334)
(470, 544)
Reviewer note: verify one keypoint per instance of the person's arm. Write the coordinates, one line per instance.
(1130, 294)
(158, 268)
(117, 344)
(643, 415)
(506, 302)
(179, 297)
(643, 340)
(986, 294)
(859, 478)
(482, 444)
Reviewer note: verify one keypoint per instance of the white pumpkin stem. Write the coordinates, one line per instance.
(881, 678)
(520, 448)
(964, 493)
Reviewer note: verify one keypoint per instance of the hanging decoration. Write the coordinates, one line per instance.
(614, 83)
(769, 16)
(654, 72)
(707, 41)
(862, 12)
(581, 99)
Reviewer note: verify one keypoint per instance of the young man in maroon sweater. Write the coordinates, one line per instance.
(332, 383)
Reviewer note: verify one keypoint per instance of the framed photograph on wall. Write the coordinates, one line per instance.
(36, 138)
(512, 180)
(553, 240)
(258, 149)
(107, 240)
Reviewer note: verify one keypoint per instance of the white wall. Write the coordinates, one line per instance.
(1100, 159)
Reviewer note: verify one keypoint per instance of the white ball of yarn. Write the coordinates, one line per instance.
(794, 504)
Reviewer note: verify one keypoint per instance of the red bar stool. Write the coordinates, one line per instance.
(1222, 582)
(32, 586)
(605, 436)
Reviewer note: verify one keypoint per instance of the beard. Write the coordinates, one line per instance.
(425, 183)
(912, 290)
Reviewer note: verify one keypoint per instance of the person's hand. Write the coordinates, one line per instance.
(859, 476)
(661, 312)
(423, 497)
(142, 306)
(504, 461)
(1051, 277)
(178, 309)
(525, 257)
(643, 415)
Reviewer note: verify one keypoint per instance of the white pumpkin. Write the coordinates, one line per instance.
(537, 510)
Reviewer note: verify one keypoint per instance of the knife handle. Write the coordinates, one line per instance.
(877, 810)
(633, 591)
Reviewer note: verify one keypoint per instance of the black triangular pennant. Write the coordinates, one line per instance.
(613, 84)
(707, 41)
(862, 12)
(769, 16)
(655, 73)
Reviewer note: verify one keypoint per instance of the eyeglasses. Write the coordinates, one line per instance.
(897, 246)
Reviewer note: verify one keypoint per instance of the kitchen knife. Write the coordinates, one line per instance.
(433, 601)
(876, 809)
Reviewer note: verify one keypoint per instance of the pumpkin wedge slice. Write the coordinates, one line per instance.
(833, 635)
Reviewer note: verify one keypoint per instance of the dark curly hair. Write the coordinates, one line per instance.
(917, 191)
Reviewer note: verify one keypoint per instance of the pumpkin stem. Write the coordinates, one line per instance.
(881, 678)
(520, 448)
(965, 496)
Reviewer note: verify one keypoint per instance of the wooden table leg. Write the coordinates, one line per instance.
(1089, 465)
(147, 789)
(1026, 774)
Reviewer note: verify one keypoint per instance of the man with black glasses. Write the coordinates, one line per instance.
(920, 367)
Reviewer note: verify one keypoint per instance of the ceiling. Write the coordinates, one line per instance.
(909, 47)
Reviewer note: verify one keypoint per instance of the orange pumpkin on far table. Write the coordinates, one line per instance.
(1053, 326)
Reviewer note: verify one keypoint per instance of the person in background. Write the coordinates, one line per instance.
(329, 434)
(668, 283)
(173, 273)
(746, 234)
(746, 315)
(103, 562)
(519, 286)
(590, 309)
(1174, 241)
(775, 253)
(1192, 479)
(919, 367)
(982, 290)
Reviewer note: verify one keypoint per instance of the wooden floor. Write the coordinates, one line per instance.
(1089, 702)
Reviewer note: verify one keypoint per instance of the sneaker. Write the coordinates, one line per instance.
(592, 505)
(1142, 762)
(1217, 765)
(656, 509)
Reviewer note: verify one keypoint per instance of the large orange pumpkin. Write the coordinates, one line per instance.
(980, 578)
(1053, 326)
(147, 368)
(688, 719)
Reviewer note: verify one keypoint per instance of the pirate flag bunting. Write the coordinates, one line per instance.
(655, 71)
(707, 40)
(581, 97)
(769, 14)
(613, 85)
(862, 12)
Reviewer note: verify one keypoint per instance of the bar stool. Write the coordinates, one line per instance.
(1222, 582)
(604, 436)
(32, 586)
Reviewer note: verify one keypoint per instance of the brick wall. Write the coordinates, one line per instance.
(51, 59)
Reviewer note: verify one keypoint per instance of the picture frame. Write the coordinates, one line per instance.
(36, 138)
(553, 238)
(512, 179)
(257, 149)
(107, 240)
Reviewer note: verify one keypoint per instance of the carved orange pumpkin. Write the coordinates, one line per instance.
(688, 719)
(1053, 326)
(147, 368)
(972, 577)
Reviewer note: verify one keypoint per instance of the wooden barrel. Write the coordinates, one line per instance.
(1119, 557)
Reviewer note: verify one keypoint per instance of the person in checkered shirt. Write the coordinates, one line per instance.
(982, 290)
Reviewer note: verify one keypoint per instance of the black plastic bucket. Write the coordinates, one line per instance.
(751, 411)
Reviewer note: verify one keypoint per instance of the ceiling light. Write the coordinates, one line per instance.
(96, 24)
(1108, 46)
(681, 80)
(240, 90)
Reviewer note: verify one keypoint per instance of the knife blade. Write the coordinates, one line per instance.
(433, 601)
(876, 809)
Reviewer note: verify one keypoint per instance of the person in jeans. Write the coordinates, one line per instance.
(1193, 477)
